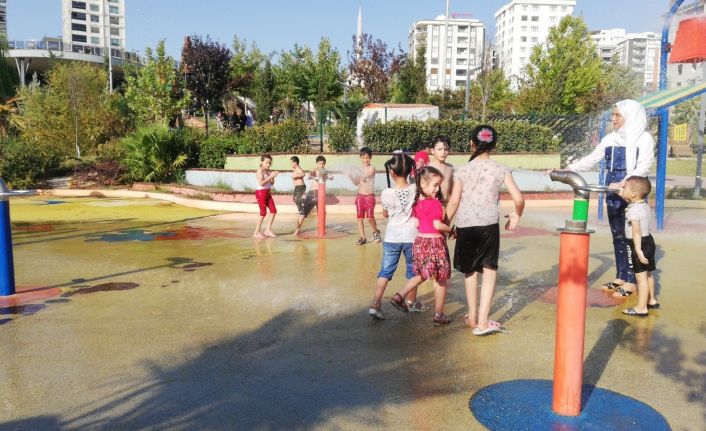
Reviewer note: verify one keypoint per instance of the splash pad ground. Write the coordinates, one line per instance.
(168, 317)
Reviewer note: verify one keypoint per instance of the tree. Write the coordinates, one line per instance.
(74, 109)
(491, 93)
(156, 93)
(265, 91)
(450, 102)
(245, 65)
(411, 83)
(618, 82)
(206, 66)
(374, 70)
(292, 75)
(325, 77)
(563, 75)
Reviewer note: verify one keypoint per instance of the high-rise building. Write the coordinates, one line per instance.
(606, 41)
(459, 45)
(92, 25)
(3, 18)
(522, 24)
(640, 52)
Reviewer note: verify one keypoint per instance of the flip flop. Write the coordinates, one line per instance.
(622, 293)
(487, 331)
(631, 312)
(653, 306)
(611, 285)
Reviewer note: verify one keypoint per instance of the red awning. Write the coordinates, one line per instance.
(690, 44)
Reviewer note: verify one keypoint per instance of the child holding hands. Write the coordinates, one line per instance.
(430, 252)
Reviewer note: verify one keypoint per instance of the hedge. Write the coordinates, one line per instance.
(411, 135)
(289, 136)
(21, 164)
(215, 149)
(341, 137)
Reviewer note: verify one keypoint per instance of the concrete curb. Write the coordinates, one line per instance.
(342, 209)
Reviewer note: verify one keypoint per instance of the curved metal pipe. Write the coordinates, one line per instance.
(574, 180)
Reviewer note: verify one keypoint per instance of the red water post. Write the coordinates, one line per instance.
(321, 208)
(570, 322)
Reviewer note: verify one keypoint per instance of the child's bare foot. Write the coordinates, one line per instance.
(269, 234)
(469, 322)
(296, 232)
(258, 235)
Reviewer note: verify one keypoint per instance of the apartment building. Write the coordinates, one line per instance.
(3, 18)
(641, 52)
(607, 41)
(90, 26)
(521, 25)
(453, 49)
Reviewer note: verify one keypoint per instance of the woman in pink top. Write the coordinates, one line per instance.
(430, 253)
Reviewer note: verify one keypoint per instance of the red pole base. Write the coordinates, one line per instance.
(570, 323)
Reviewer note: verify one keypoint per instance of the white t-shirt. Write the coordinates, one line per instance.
(637, 211)
(400, 223)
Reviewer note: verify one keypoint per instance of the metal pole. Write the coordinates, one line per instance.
(664, 117)
(7, 269)
(700, 144)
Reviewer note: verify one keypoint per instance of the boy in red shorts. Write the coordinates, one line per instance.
(265, 179)
(365, 199)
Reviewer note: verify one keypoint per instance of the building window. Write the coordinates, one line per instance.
(114, 31)
(432, 82)
(461, 72)
(553, 8)
(95, 40)
(552, 19)
(535, 29)
(534, 40)
(523, 28)
(434, 70)
(94, 8)
(462, 40)
(563, 8)
(114, 20)
(524, 7)
(78, 27)
(535, 8)
(80, 16)
(78, 38)
(95, 30)
(435, 60)
(523, 38)
(462, 29)
(95, 18)
(114, 42)
(78, 5)
(523, 18)
(535, 18)
(523, 60)
(114, 9)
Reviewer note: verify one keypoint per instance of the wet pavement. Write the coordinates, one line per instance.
(165, 317)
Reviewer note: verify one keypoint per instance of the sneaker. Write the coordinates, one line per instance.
(398, 302)
(440, 319)
(417, 307)
(361, 241)
(376, 313)
(376, 236)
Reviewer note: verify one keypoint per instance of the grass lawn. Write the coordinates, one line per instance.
(680, 167)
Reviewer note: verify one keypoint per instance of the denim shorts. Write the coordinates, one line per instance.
(391, 252)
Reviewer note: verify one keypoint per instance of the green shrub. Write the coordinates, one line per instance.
(288, 136)
(156, 154)
(21, 164)
(215, 149)
(341, 137)
(412, 135)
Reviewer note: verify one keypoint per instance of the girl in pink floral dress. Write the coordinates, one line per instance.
(430, 252)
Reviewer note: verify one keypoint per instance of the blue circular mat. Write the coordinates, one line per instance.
(527, 405)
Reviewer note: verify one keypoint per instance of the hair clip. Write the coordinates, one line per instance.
(485, 135)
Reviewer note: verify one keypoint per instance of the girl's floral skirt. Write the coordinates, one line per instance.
(431, 258)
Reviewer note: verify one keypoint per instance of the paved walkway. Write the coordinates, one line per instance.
(169, 317)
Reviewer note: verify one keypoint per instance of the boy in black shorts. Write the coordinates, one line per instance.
(641, 245)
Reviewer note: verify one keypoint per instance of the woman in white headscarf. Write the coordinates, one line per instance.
(627, 151)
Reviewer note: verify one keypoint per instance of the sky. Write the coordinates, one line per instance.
(276, 25)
